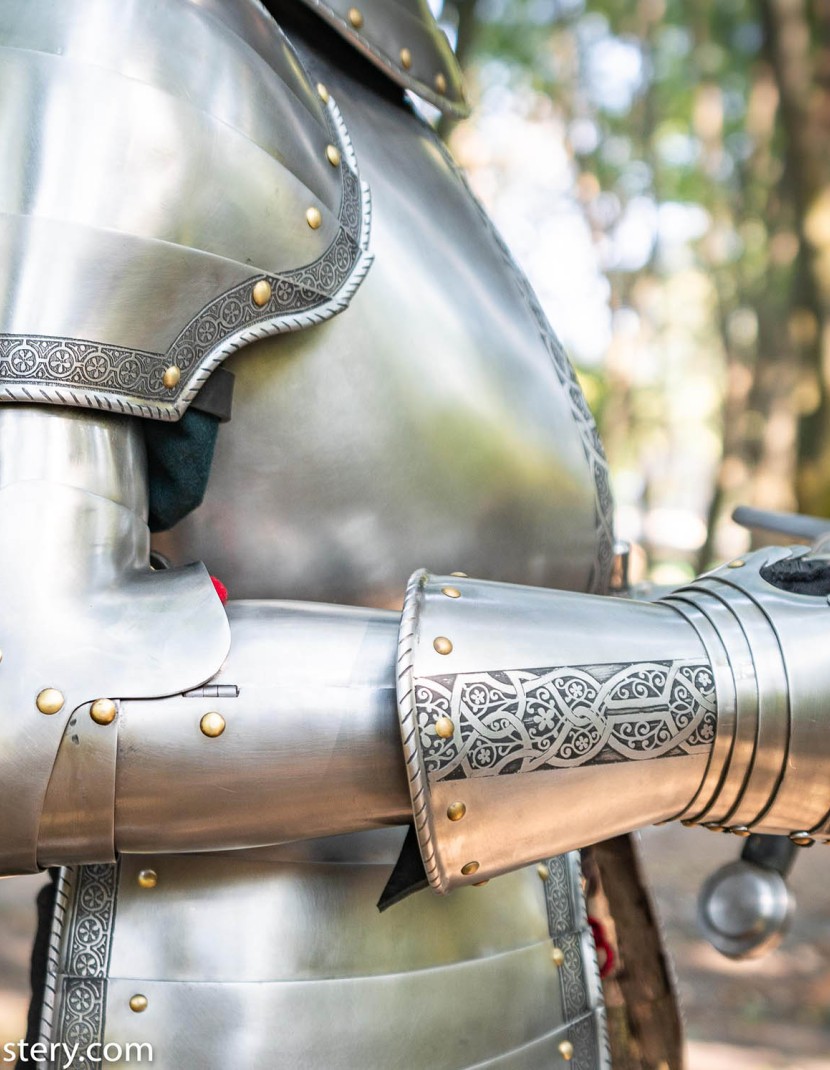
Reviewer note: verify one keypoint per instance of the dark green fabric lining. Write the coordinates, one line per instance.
(179, 456)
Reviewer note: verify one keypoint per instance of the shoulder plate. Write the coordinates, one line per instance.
(404, 40)
(173, 188)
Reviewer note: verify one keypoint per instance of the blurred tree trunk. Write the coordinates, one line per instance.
(798, 40)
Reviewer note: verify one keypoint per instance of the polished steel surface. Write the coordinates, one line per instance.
(81, 608)
(435, 421)
(744, 910)
(772, 777)
(153, 223)
(310, 744)
(599, 711)
(280, 958)
(402, 38)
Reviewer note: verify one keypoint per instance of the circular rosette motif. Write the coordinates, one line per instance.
(60, 362)
(23, 359)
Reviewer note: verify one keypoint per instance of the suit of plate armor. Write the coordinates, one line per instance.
(227, 789)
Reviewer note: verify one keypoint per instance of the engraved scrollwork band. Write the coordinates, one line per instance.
(524, 720)
(79, 962)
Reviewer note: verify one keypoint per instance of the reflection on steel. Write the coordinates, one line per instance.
(744, 910)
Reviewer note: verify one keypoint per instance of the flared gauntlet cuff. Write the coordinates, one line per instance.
(537, 721)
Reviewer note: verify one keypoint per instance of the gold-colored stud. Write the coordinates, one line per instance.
(456, 810)
(444, 728)
(440, 83)
(261, 293)
(558, 957)
(313, 217)
(463, 575)
(138, 1003)
(688, 823)
(333, 155)
(50, 700)
(470, 868)
(355, 17)
(147, 878)
(171, 376)
(566, 1050)
(406, 59)
(451, 592)
(212, 725)
(802, 839)
(442, 645)
(103, 711)
(712, 826)
(543, 871)
(741, 830)
(322, 93)
(739, 563)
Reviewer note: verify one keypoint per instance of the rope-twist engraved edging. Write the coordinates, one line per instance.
(583, 418)
(347, 253)
(408, 713)
(59, 913)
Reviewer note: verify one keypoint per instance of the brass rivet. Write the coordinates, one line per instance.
(148, 878)
(480, 884)
(333, 155)
(566, 1050)
(463, 575)
(103, 711)
(442, 645)
(261, 293)
(440, 83)
(688, 823)
(470, 868)
(456, 810)
(444, 728)
(737, 564)
(451, 592)
(406, 59)
(212, 724)
(50, 700)
(355, 17)
(543, 871)
(558, 957)
(171, 376)
(313, 218)
(322, 93)
(713, 826)
(740, 830)
(138, 1003)
(802, 839)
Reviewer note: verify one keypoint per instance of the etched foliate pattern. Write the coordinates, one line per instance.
(82, 975)
(522, 720)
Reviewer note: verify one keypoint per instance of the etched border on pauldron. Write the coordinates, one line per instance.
(82, 373)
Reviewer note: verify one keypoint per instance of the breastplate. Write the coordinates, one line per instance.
(436, 422)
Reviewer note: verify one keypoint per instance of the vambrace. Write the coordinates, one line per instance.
(537, 721)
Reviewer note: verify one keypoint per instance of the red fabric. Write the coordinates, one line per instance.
(221, 590)
(603, 947)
